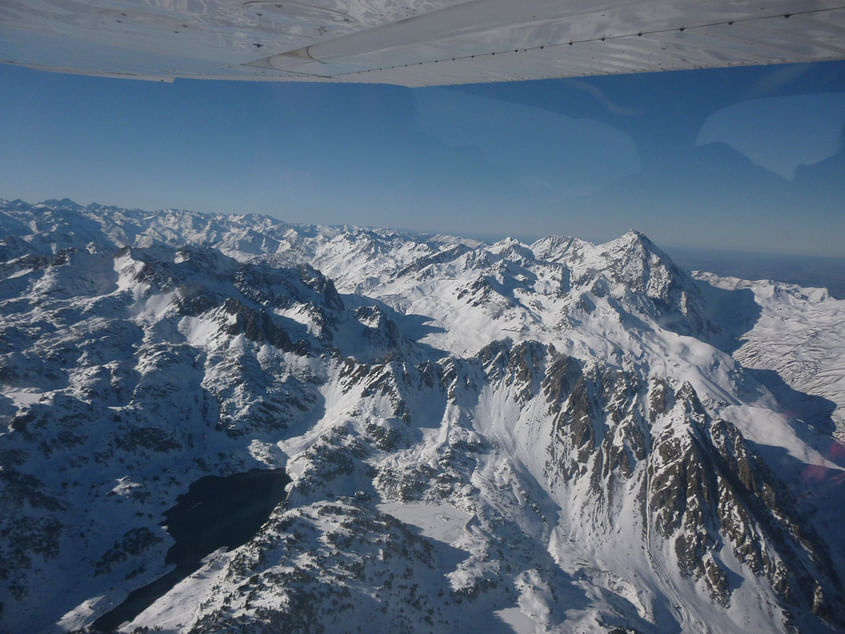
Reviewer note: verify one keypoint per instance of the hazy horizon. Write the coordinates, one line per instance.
(746, 159)
(804, 270)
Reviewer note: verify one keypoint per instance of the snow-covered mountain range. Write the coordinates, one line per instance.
(559, 436)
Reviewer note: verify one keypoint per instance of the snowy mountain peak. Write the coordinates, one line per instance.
(553, 248)
(555, 437)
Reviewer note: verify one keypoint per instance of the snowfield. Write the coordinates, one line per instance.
(548, 437)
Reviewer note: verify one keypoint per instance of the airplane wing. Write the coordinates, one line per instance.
(412, 42)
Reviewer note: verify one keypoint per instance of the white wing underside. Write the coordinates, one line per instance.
(412, 42)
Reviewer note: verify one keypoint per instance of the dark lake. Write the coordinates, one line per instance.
(215, 512)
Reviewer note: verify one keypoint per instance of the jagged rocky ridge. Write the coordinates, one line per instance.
(550, 437)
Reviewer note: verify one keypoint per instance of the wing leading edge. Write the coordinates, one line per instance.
(413, 42)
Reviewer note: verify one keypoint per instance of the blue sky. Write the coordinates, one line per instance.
(744, 158)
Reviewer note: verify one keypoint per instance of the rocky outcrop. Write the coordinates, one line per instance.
(469, 430)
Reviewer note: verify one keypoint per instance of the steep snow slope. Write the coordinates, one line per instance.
(798, 336)
(550, 437)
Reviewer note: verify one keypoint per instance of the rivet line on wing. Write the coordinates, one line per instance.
(592, 40)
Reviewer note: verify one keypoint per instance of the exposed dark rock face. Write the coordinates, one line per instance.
(256, 325)
(479, 292)
(521, 365)
(381, 332)
(443, 474)
(598, 430)
(704, 488)
(446, 255)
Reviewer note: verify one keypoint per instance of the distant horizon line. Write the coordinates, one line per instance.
(487, 238)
